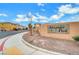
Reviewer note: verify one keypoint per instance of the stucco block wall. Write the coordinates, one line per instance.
(73, 31)
(74, 28)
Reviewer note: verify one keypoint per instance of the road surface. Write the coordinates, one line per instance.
(5, 34)
(14, 45)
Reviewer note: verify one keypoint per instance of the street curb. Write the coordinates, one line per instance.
(2, 52)
(36, 48)
(41, 49)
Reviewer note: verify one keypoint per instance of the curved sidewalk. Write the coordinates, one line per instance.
(15, 45)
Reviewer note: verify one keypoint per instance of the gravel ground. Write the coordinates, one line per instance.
(61, 46)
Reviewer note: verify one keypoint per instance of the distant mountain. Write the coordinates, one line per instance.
(10, 26)
(9, 23)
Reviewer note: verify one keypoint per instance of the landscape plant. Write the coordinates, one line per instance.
(76, 38)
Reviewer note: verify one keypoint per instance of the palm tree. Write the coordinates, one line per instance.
(30, 28)
(30, 24)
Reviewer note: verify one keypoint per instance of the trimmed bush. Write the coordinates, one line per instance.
(76, 38)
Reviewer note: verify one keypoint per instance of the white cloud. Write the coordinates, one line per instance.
(35, 18)
(62, 21)
(44, 21)
(3, 15)
(40, 4)
(21, 16)
(64, 9)
(74, 18)
(56, 17)
(21, 19)
(41, 18)
(26, 19)
(29, 14)
(71, 19)
(68, 9)
(37, 14)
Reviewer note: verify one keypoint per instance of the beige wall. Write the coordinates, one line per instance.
(73, 30)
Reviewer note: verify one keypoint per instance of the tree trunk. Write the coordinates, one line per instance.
(31, 31)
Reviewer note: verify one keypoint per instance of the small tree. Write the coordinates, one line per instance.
(26, 28)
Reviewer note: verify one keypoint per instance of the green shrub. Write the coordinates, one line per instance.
(76, 38)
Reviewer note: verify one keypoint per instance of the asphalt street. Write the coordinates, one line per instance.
(5, 34)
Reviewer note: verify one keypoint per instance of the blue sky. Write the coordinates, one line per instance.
(21, 13)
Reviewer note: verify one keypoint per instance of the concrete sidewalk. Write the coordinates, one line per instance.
(15, 45)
